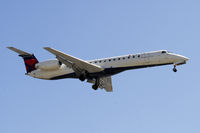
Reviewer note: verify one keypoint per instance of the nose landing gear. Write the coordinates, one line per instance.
(174, 69)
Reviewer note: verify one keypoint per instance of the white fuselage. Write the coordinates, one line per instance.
(114, 64)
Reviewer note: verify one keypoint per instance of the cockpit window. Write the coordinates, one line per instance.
(164, 52)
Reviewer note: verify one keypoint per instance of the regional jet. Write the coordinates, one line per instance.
(98, 71)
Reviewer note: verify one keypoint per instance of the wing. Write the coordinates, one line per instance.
(104, 83)
(76, 64)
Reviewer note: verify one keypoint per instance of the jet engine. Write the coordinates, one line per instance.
(48, 65)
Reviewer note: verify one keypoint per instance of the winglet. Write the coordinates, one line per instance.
(20, 52)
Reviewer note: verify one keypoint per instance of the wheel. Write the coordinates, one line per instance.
(82, 77)
(174, 69)
(95, 87)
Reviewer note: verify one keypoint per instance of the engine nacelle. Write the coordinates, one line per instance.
(48, 65)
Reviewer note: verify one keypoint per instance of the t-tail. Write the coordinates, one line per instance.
(29, 59)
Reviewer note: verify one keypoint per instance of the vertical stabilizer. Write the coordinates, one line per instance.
(29, 59)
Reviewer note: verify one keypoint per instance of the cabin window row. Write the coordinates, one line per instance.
(115, 59)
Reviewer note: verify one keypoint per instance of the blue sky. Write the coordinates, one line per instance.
(150, 100)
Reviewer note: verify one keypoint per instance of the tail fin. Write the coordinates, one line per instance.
(29, 59)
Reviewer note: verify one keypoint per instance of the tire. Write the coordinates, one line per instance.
(174, 69)
(95, 87)
(82, 78)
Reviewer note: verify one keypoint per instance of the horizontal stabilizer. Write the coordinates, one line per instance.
(20, 52)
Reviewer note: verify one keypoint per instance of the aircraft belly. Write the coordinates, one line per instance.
(48, 74)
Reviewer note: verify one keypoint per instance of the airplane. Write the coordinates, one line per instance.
(99, 71)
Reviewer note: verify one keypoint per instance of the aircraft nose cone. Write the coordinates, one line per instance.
(186, 58)
(183, 58)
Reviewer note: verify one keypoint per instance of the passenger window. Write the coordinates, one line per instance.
(118, 58)
(95, 62)
(104, 60)
(128, 57)
(113, 59)
(133, 56)
(99, 61)
(138, 55)
(109, 59)
(123, 58)
(164, 52)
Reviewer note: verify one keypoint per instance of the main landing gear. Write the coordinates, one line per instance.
(82, 77)
(96, 85)
(95, 81)
(174, 69)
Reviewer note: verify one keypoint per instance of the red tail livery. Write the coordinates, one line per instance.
(29, 61)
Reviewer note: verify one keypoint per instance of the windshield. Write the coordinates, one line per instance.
(164, 51)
